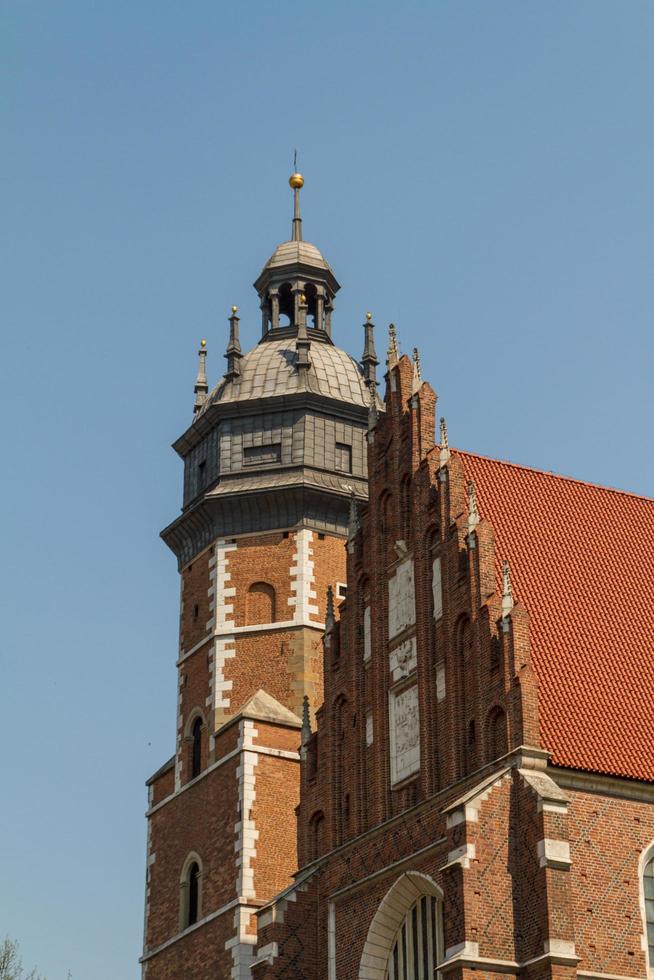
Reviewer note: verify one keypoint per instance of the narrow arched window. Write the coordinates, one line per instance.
(415, 952)
(497, 735)
(193, 894)
(196, 750)
(260, 604)
(316, 835)
(648, 896)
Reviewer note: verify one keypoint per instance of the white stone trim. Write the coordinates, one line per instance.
(554, 853)
(303, 578)
(261, 750)
(466, 948)
(594, 975)
(180, 935)
(150, 858)
(331, 942)
(646, 854)
(243, 943)
(286, 624)
(460, 855)
(559, 947)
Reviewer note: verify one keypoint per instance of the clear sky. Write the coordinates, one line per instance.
(481, 173)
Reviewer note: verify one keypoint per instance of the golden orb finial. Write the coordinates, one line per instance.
(368, 315)
(234, 310)
(296, 181)
(203, 343)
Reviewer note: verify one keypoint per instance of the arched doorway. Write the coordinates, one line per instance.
(405, 938)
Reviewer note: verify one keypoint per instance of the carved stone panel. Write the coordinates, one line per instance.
(401, 599)
(405, 733)
(402, 660)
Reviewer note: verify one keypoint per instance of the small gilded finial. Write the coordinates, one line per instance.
(393, 353)
(296, 181)
(368, 315)
(234, 309)
(201, 386)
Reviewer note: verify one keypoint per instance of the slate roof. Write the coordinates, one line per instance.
(270, 369)
(582, 564)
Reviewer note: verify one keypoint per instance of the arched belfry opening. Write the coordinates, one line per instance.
(296, 286)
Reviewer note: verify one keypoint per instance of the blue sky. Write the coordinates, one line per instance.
(479, 173)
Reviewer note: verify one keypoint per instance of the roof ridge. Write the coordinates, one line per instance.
(550, 473)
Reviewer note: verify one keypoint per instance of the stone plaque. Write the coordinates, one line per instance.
(401, 599)
(405, 733)
(402, 660)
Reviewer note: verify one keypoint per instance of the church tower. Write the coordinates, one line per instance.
(274, 461)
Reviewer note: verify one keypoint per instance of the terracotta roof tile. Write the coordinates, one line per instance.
(582, 564)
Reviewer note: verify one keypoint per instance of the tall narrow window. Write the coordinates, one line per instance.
(193, 894)
(648, 894)
(196, 752)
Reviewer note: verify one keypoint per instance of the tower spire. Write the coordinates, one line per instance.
(233, 352)
(201, 386)
(369, 359)
(296, 181)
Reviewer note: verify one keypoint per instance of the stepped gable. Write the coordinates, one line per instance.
(581, 564)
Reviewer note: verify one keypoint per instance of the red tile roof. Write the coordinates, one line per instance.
(582, 563)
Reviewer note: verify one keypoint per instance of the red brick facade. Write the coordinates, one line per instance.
(449, 774)
(536, 868)
(251, 619)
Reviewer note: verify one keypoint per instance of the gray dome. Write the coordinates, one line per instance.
(292, 253)
(269, 369)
